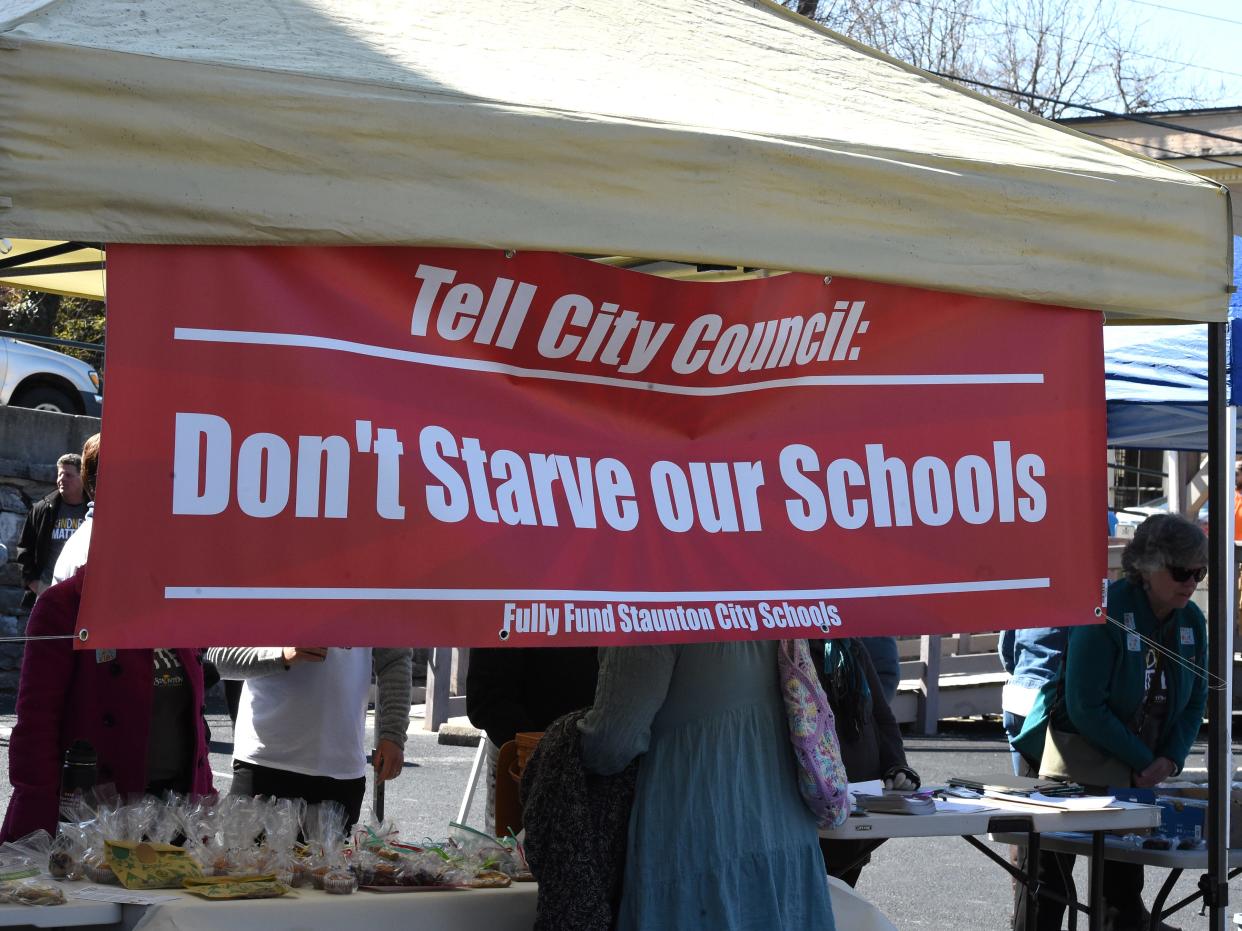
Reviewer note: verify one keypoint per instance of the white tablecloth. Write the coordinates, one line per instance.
(511, 909)
(74, 914)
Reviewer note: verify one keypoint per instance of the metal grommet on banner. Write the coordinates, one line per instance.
(504, 635)
(1099, 612)
(84, 635)
(827, 279)
(510, 253)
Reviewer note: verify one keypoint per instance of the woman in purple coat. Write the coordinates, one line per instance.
(141, 710)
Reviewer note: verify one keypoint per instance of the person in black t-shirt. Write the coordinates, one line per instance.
(49, 524)
(524, 689)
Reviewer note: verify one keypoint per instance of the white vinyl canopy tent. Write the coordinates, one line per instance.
(703, 131)
(697, 130)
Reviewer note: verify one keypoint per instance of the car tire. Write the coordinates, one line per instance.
(47, 398)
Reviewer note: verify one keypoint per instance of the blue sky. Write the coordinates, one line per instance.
(1172, 29)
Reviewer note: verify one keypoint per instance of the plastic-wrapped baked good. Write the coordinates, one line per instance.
(60, 864)
(364, 863)
(339, 881)
(301, 875)
(26, 856)
(282, 819)
(98, 871)
(325, 838)
(31, 892)
(68, 847)
(238, 889)
(421, 869)
(490, 879)
(220, 864)
(107, 822)
(385, 873)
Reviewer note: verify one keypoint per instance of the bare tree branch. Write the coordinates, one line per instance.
(1063, 49)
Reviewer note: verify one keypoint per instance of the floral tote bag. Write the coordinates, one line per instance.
(813, 732)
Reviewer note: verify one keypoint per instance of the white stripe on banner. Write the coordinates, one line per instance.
(297, 340)
(263, 593)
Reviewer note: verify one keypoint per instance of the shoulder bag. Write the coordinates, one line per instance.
(1071, 757)
(813, 732)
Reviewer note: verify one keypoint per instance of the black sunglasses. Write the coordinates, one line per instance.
(1182, 574)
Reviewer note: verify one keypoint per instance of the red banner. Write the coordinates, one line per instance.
(384, 446)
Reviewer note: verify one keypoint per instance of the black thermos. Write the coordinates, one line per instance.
(79, 773)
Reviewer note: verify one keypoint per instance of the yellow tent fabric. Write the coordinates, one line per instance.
(713, 131)
(83, 283)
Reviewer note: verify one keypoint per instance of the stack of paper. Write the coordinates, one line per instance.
(1014, 785)
(893, 804)
(1062, 802)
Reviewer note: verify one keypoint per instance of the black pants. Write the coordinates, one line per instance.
(1056, 870)
(1123, 885)
(845, 859)
(180, 784)
(232, 697)
(1123, 890)
(249, 779)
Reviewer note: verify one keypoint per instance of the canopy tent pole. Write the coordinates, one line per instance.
(1221, 455)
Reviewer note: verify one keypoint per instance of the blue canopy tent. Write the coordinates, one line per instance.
(1156, 379)
(1155, 382)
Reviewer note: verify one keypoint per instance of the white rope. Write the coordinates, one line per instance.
(1177, 658)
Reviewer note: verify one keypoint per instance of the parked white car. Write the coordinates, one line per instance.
(1129, 519)
(32, 376)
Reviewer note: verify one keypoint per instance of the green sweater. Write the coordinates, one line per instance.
(1103, 677)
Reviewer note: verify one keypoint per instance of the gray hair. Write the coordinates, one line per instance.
(70, 459)
(1164, 540)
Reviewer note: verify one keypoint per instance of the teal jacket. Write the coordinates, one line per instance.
(1102, 683)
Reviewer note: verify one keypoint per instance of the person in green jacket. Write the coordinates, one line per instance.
(1135, 686)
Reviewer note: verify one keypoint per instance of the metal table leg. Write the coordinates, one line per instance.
(1095, 919)
(1028, 877)
(1032, 881)
(1071, 893)
(1157, 907)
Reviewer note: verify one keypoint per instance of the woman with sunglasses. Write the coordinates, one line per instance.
(1134, 685)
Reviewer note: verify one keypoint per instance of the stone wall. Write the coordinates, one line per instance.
(30, 444)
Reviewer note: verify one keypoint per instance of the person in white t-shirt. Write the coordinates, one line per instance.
(73, 554)
(302, 720)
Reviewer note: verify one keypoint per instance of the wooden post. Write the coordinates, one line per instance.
(1197, 489)
(929, 693)
(439, 676)
(1185, 484)
(1174, 485)
(461, 669)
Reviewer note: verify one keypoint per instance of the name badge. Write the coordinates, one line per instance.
(1128, 620)
(107, 656)
(1133, 643)
(1188, 636)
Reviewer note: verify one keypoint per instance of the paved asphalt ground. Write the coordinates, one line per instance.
(938, 884)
